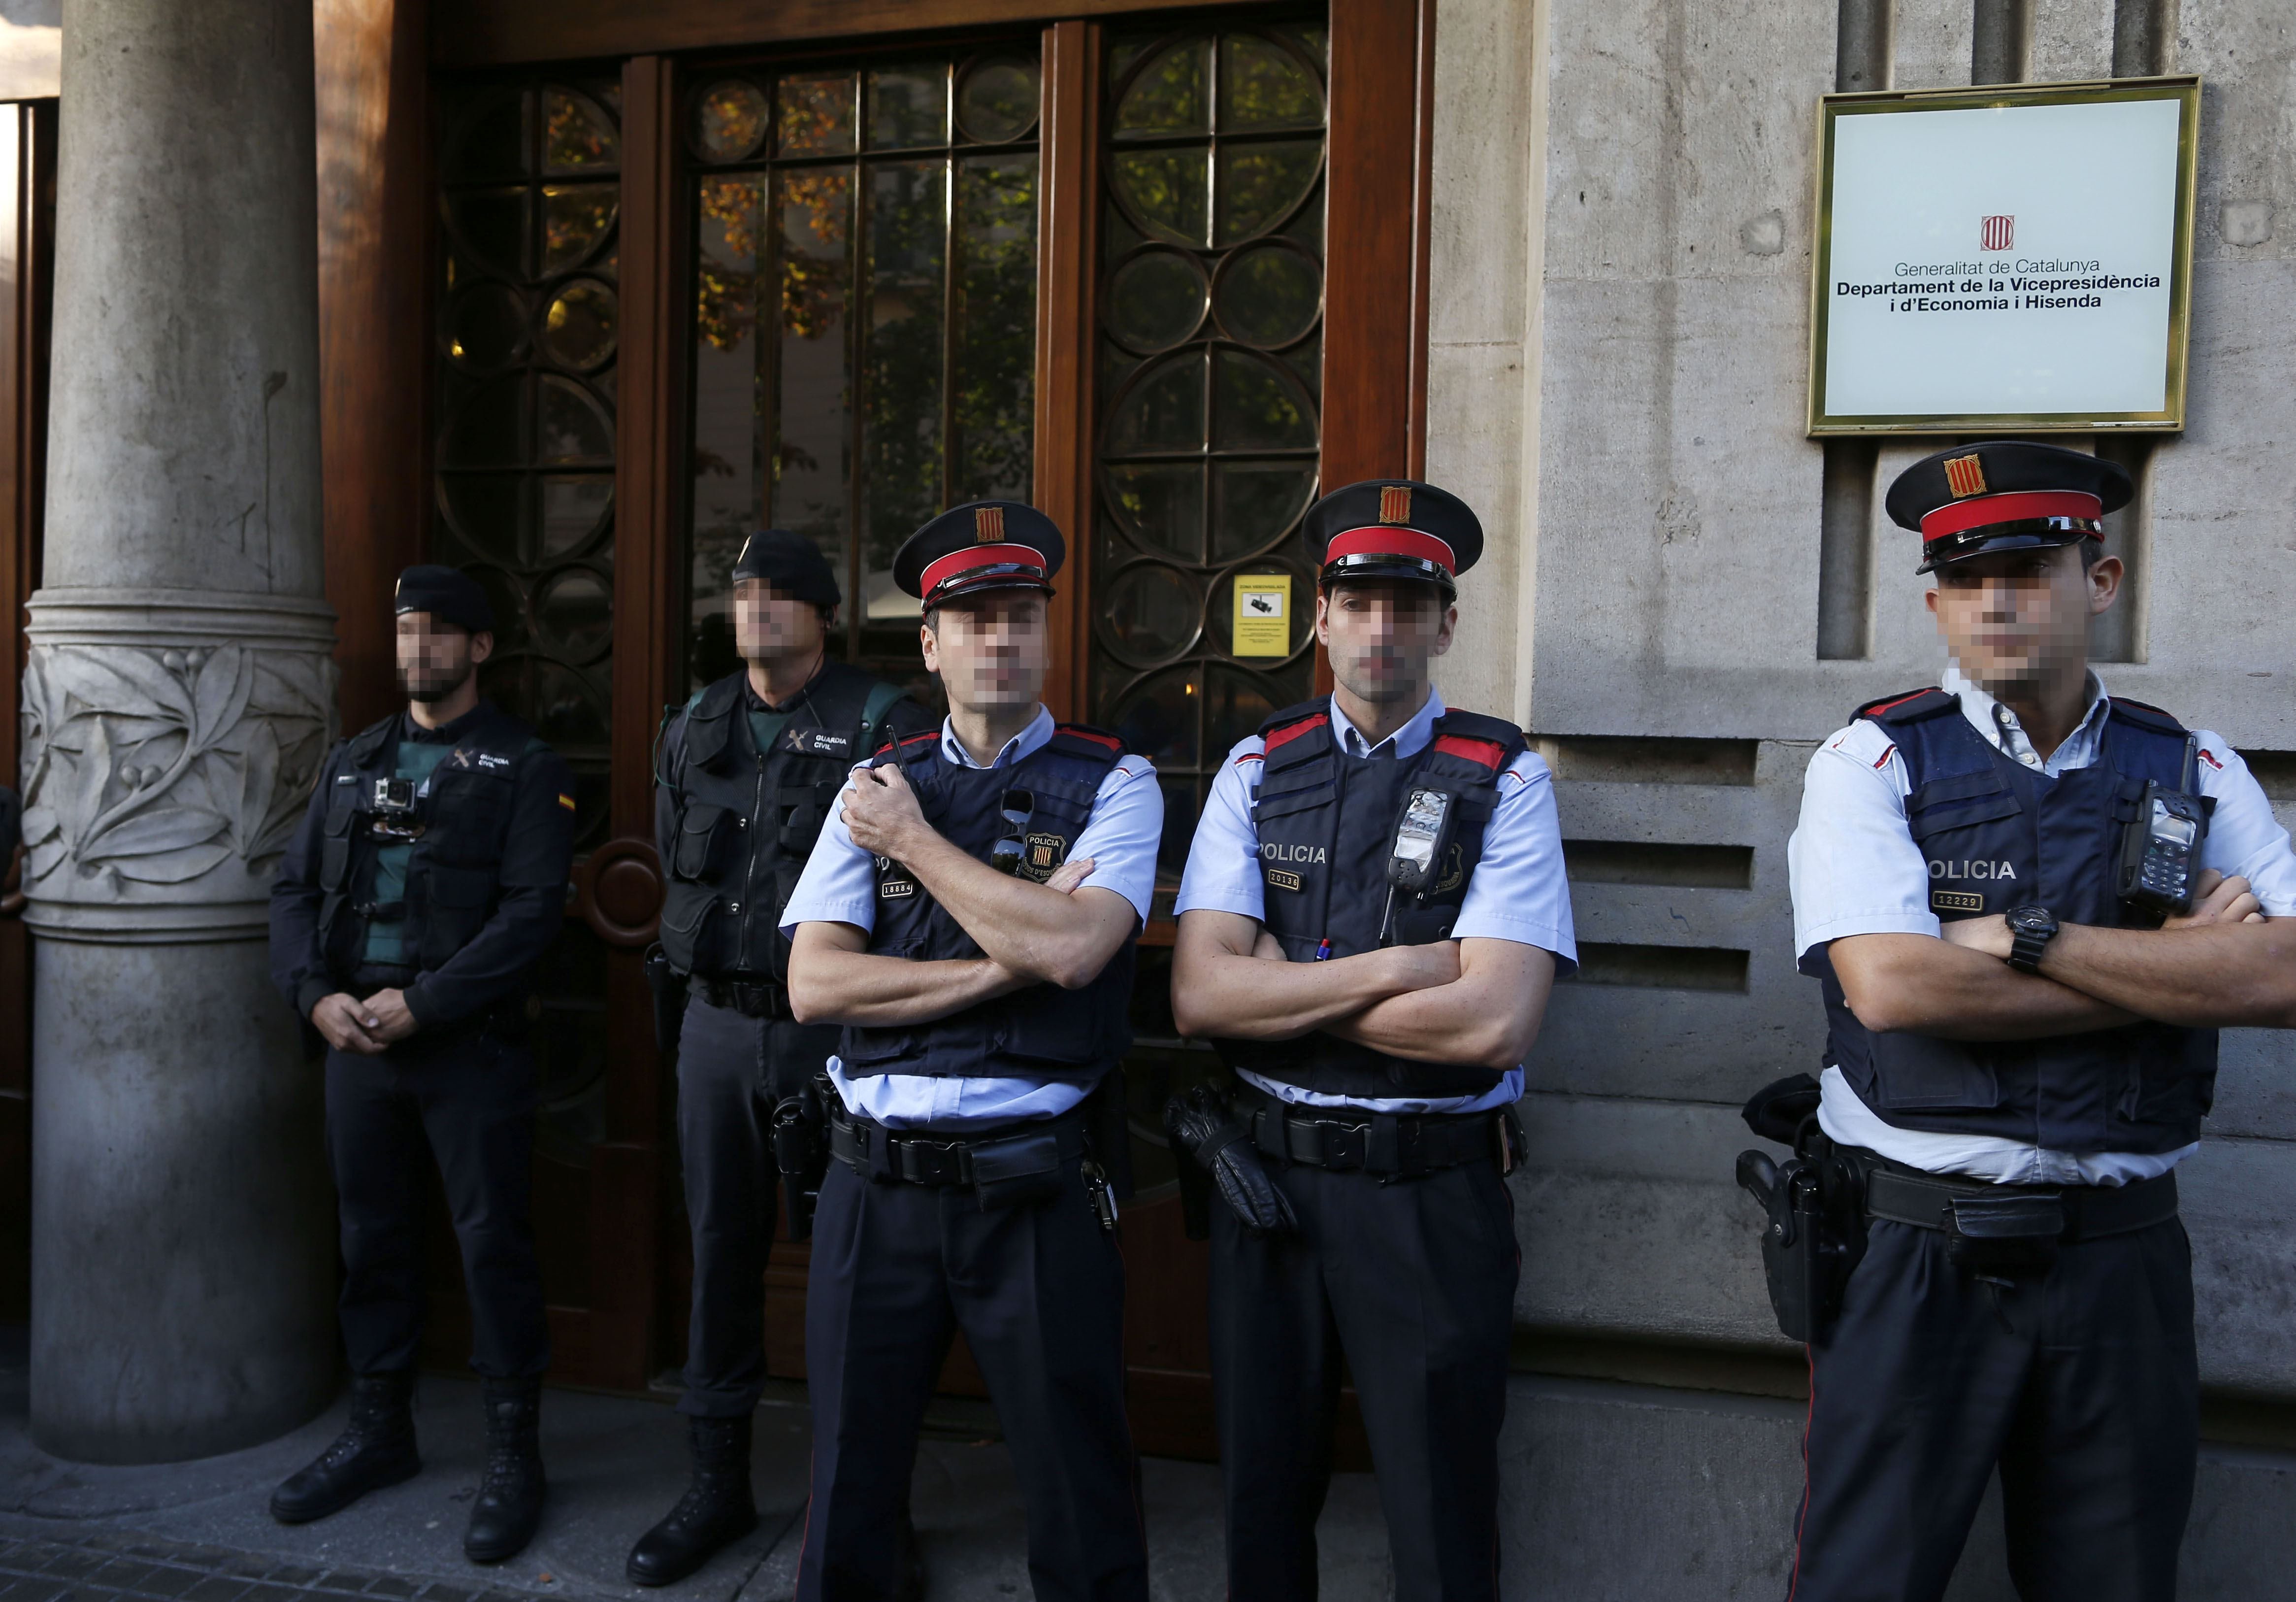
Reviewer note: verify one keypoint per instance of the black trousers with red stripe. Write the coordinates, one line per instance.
(1038, 1290)
(1412, 1283)
(2079, 1384)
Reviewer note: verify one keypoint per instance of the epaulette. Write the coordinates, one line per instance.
(1910, 706)
(1293, 722)
(2146, 717)
(1489, 743)
(1082, 740)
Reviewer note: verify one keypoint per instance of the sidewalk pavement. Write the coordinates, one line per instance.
(199, 1531)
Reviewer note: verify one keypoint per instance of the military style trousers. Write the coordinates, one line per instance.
(468, 1100)
(731, 1071)
(1411, 1282)
(1038, 1290)
(2080, 1384)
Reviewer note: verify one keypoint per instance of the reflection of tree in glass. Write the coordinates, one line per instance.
(576, 134)
(726, 308)
(901, 437)
(813, 278)
(1264, 86)
(995, 319)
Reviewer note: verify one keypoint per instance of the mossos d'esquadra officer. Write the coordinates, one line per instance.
(969, 917)
(746, 775)
(2030, 905)
(1372, 913)
(427, 879)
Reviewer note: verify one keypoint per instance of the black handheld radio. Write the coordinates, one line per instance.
(2160, 848)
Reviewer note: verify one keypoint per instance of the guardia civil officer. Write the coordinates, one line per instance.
(746, 774)
(1373, 912)
(428, 878)
(2019, 1056)
(969, 917)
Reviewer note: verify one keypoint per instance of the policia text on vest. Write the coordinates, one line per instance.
(1372, 913)
(1977, 1234)
(427, 879)
(968, 917)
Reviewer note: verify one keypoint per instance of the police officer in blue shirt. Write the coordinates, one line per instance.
(746, 774)
(1372, 913)
(428, 878)
(2021, 1044)
(969, 915)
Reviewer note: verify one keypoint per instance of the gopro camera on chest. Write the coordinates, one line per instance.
(392, 810)
(2160, 847)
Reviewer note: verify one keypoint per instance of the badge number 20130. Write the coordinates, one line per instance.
(1263, 614)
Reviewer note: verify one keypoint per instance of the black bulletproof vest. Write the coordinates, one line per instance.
(1327, 823)
(747, 819)
(1997, 835)
(1042, 1032)
(451, 872)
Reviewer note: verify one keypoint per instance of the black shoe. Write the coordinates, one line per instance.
(376, 1448)
(716, 1510)
(503, 1519)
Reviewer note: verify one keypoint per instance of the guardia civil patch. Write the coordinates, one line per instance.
(1956, 900)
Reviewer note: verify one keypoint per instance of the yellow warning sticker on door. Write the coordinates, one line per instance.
(1263, 614)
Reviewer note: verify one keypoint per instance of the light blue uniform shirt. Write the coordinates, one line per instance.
(1855, 869)
(839, 886)
(1518, 891)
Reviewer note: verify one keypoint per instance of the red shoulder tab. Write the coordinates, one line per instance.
(1487, 754)
(1904, 705)
(1096, 736)
(894, 748)
(1276, 738)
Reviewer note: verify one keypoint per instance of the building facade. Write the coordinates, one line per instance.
(601, 286)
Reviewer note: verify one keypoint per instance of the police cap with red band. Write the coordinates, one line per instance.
(1394, 529)
(981, 546)
(2006, 495)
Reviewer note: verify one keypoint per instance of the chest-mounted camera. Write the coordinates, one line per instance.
(391, 811)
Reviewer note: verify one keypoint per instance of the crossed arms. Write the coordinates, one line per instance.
(2225, 965)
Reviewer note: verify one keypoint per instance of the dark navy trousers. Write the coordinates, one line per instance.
(468, 1101)
(731, 1071)
(1039, 1291)
(2080, 1384)
(1410, 1284)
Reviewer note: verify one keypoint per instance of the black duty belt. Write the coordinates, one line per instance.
(1386, 1144)
(1906, 1196)
(751, 1000)
(986, 1157)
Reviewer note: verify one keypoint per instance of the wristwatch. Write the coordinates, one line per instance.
(2030, 929)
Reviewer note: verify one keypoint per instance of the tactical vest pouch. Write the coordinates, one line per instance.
(704, 837)
(455, 910)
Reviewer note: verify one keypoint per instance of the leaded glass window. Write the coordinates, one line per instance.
(529, 196)
(864, 342)
(1211, 370)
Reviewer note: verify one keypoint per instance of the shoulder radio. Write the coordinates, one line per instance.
(2160, 847)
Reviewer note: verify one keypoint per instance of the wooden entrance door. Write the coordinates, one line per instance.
(1162, 274)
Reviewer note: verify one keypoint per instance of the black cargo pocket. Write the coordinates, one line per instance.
(1961, 801)
(700, 847)
(1921, 1071)
(1287, 793)
(455, 901)
(1050, 1025)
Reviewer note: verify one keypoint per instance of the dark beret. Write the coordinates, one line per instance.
(790, 562)
(2006, 495)
(982, 544)
(1394, 529)
(447, 593)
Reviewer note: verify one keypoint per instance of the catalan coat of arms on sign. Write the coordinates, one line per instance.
(1998, 233)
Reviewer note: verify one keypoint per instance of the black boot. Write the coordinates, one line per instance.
(503, 1519)
(717, 1509)
(376, 1448)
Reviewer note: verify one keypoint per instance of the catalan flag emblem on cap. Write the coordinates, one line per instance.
(989, 524)
(1965, 475)
(1394, 530)
(1395, 503)
(979, 545)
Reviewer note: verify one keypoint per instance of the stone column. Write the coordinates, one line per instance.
(178, 701)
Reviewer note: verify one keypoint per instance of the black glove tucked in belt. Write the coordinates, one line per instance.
(1205, 1133)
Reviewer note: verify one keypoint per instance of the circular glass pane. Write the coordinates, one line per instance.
(491, 224)
(483, 510)
(1167, 96)
(492, 140)
(573, 509)
(1163, 411)
(1268, 295)
(1255, 503)
(1257, 405)
(1261, 185)
(567, 710)
(1166, 191)
(1237, 703)
(486, 327)
(485, 429)
(1157, 720)
(1155, 299)
(509, 604)
(574, 426)
(729, 120)
(579, 328)
(997, 101)
(1150, 614)
(576, 134)
(574, 613)
(1264, 86)
(575, 216)
(1161, 507)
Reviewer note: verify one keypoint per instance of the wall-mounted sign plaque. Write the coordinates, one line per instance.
(2015, 258)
